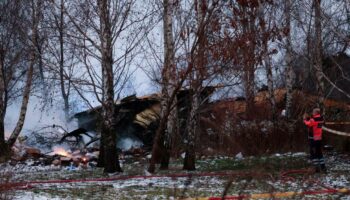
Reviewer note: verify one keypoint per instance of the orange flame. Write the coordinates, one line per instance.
(61, 152)
(84, 160)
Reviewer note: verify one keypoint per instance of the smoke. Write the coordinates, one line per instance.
(37, 117)
(127, 143)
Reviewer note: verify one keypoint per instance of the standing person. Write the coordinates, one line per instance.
(316, 122)
(310, 136)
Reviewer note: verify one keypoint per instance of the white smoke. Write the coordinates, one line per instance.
(37, 117)
(127, 143)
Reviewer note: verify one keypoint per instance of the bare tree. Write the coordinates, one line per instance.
(168, 82)
(317, 58)
(108, 137)
(161, 146)
(35, 16)
(61, 52)
(11, 56)
(334, 40)
(186, 44)
(268, 28)
(107, 33)
(289, 69)
(196, 83)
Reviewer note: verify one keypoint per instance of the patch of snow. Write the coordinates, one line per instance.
(239, 156)
(299, 154)
(283, 113)
(35, 196)
(26, 167)
(183, 155)
(338, 181)
(147, 173)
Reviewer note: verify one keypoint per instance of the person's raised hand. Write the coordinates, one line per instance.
(305, 116)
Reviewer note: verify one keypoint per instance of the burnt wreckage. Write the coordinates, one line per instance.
(138, 117)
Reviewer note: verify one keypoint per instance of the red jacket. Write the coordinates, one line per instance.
(316, 122)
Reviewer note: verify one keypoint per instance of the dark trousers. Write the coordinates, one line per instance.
(316, 153)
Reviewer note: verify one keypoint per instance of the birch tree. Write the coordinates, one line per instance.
(317, 57)
(12, 54)
(288, 60)
(186, 42)
(268, 33)
(169, 77)
(35, 16)
(108, 33)
(196, 83)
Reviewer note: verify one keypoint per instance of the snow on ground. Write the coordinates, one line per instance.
(25, 167)
(31, 195)
(270, 168)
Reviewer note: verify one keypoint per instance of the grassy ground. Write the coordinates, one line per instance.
(261, 175)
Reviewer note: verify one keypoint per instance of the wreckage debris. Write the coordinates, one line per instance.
(70, 159)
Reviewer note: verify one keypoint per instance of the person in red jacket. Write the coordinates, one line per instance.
(315, 123)
(310, 138)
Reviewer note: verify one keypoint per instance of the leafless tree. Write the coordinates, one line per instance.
(11, 58)
(34, 17)
(317, 57)
(186, 41)
(107, 33)
(60, 60)
(289, 69)
(20, 34)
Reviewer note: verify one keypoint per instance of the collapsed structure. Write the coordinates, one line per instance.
(220, 120)
(138, 117)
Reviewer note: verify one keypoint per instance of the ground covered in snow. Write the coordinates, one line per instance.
(247, 175)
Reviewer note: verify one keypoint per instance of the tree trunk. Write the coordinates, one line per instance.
(318, 55)
(198, 77)
(289, 69)
(162, 141)
(38, 45)
(108, 130)
(165, 146)
(61, 62)
(169, 81)
(192, 128)
(158, 144)
(268, 65)
(249, 65)
(170, 135)
(4, 149)
(101, 156)
(289, 75)
(11, 141)
(249, 83)
(36, 15)
(270, 87)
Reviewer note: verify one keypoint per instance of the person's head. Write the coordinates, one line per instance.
(316, 111)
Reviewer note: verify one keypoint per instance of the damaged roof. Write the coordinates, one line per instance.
(125, 102)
